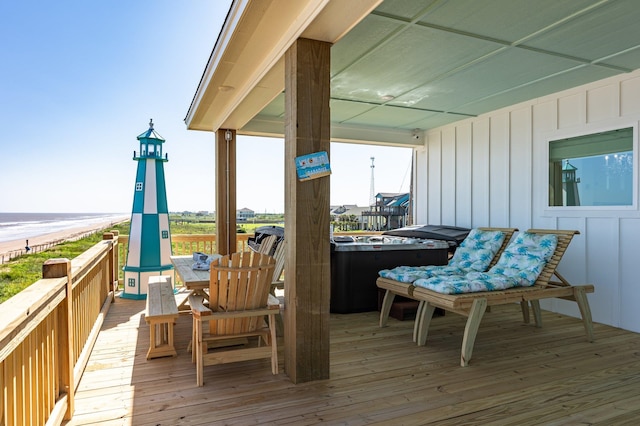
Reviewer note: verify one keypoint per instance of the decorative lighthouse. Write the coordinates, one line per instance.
(570, 194)
(149, 237)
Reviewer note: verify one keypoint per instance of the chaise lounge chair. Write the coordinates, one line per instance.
(479, 251)
(504, 283)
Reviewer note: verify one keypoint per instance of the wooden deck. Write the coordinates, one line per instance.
(519, 374)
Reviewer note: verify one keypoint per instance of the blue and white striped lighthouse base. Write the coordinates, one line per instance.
(136, 282)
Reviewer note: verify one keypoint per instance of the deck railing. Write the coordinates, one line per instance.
(47, 332)
(184, 244)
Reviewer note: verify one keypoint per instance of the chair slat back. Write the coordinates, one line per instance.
(238, 282)
(564, 238)
(279, 256)
(267, 244)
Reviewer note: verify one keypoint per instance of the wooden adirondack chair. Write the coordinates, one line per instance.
(239, 302)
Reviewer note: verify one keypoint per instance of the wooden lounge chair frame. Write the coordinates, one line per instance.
(397, 288)
(473, 305)
(278, 256)
(239, 301)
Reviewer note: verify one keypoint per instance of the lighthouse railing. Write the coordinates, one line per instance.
(47, 333)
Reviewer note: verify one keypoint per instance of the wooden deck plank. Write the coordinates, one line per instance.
(378, 375)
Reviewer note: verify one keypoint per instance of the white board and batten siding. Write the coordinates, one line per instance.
(492, 170)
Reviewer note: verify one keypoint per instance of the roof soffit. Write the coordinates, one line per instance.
(246, 68)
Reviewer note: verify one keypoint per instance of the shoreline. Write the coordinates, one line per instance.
(10, 249)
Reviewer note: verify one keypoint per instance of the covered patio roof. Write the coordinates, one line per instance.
(380, 72)
(399, 67)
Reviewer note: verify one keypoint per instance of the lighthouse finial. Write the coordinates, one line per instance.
(151, 123)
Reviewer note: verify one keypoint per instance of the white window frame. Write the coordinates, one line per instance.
(604, 126)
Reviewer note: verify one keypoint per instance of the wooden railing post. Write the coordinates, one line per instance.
(116, 261)
(58, 268)
(112, 280)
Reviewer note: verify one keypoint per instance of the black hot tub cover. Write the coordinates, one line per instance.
(451, 234)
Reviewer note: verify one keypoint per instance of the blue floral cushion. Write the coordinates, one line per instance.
(477, 250)
(519, 266)
(408, 274)
(469, 283)
(474, 254)
(526, 256)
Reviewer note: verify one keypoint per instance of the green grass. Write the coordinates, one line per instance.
(250, 228)
(192, 228)
(24, 270)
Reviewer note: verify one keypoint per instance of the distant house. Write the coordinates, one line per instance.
(345, 209)
(390, 211)
(245, 214)
(337, 210)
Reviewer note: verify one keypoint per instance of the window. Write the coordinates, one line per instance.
(165, 234)
(131, 282)
(138, 186)
(592, 170)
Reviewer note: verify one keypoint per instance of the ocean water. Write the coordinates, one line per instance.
(16, 226)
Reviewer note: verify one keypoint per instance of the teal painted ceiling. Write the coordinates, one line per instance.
(419, 64)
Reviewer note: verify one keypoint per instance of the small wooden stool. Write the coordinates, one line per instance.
(161, 314)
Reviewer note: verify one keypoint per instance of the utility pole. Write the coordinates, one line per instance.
(372, 191)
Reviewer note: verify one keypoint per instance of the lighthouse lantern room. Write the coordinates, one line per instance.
(149, 249)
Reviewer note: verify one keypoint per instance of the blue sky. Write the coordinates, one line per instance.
(81, 79)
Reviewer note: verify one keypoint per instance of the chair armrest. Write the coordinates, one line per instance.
(197, 306)
(273, 302)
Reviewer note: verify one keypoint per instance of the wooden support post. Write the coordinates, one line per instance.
(308, 282)
(58, 268)
(226, 191)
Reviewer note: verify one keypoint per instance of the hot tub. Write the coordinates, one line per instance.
(355, 262)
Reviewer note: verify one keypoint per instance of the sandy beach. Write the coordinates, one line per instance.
(7, 247)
